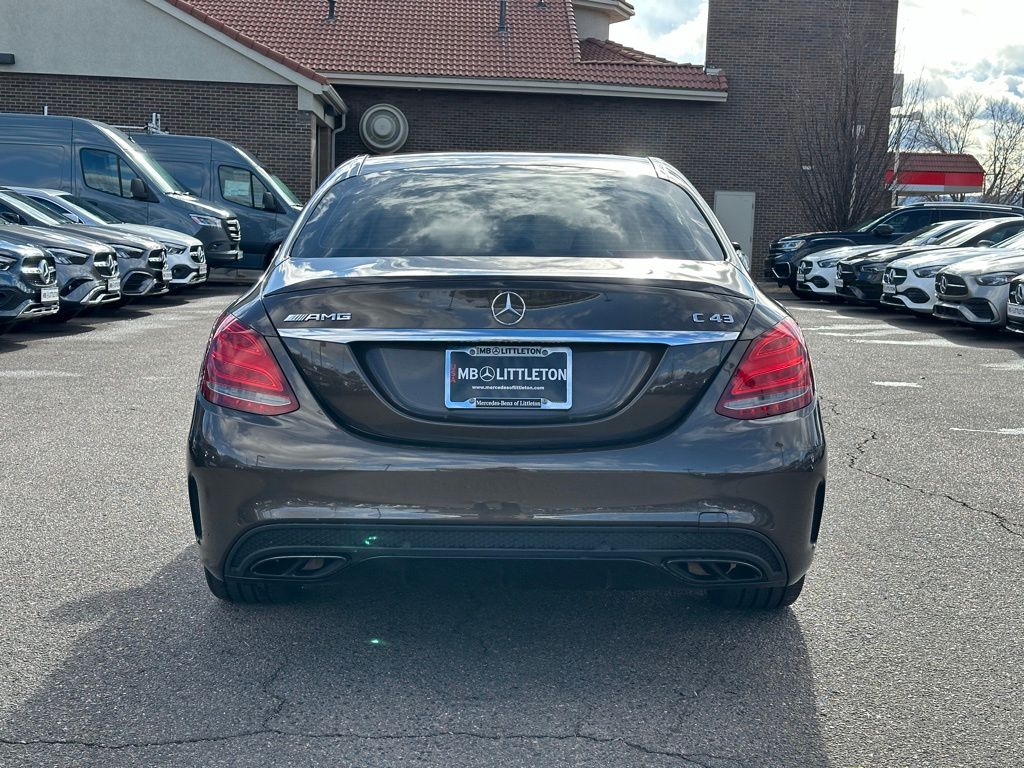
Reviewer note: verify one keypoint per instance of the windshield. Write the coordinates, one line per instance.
(867, 226)
(145, 164)
(33, 211)
(507, 211)
(933, 233)
(90, 208)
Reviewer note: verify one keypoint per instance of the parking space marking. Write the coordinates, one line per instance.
(907, 384)
(907, 343)
(1007, 431)
(1017, 365)
(30, 374)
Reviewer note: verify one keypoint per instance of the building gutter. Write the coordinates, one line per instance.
(555, 87)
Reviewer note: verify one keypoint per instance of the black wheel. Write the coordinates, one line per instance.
(250, 591)
(756, 597)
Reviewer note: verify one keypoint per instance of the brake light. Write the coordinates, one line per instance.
(774, 376)
(241, 372)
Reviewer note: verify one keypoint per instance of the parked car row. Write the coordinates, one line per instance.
(202, 187)
(967, 271)
(59, 264)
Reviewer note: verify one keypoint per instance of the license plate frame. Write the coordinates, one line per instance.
(50, 295)
(840, 283)
(114, 285)
(888, 288)
(503, 362)
(1015, 310)
(166, 274)
(203, 270)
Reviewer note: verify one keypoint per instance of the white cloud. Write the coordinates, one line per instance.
(675, 30)
(954, 45)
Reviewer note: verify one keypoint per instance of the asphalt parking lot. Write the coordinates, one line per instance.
(905, 649)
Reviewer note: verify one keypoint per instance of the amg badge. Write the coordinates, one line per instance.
(334, 317)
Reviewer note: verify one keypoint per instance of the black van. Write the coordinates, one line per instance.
(100, 164)
(229, 177)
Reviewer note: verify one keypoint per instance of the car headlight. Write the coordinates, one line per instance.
(6, 262)
(930, 271)
(791, 245)
(204, 221)
(63, 256)
(873, 269)
(828, 263)
(129, 253)
(996, 278)
(174, 250)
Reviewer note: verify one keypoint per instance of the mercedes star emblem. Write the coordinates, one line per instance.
(942, 284)
(1020, 293)
(508, 308)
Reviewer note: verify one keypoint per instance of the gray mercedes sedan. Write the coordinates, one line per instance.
(508, 356)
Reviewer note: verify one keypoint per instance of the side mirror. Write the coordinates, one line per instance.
(71, 217)
(10, 218)
(269, 203)
(985, 244)
(883, 230)
(139, 189)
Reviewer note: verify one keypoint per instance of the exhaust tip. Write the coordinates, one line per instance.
(716, 571)
(298, 566)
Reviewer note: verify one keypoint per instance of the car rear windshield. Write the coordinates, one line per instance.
(521, 211)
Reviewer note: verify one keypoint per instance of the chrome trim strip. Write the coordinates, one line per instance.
(668, 338)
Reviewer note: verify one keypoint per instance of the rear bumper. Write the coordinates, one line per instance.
(255, 481)
(688, 553)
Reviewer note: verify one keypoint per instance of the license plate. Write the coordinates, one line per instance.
(839, 282)
(508, 377)
(167, 274)
(114, 285)
(1015, 310)
(888, 288)
(49, 295)
(203, 269)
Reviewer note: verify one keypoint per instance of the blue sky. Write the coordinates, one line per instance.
(953, 45)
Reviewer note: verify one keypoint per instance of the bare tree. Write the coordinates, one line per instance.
(950, 124)
(1004, 155)
(841, 146)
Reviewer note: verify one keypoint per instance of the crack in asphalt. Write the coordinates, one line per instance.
(692, 759)
(860, 450)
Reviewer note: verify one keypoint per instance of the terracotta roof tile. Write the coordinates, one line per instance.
(442, 38)
(935, 162)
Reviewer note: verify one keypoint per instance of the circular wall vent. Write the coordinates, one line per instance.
(383, 128)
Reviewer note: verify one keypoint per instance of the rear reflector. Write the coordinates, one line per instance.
(774, 376)
(240, 372)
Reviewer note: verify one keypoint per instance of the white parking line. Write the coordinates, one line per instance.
(27, 374)
(1012, 432)
(907, 384)
(904, 343)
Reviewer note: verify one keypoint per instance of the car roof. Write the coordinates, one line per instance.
(611, 163)
(964, 206)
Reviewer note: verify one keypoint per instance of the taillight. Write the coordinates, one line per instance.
(773, 377)
(240, 372)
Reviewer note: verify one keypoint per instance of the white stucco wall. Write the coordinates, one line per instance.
(589, 23)
(118, 38)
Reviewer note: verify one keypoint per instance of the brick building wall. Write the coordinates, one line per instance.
(262, 119)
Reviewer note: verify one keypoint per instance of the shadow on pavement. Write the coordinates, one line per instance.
(444, 665)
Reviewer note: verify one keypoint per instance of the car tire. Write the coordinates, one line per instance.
(769, 598)
(232, 591)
